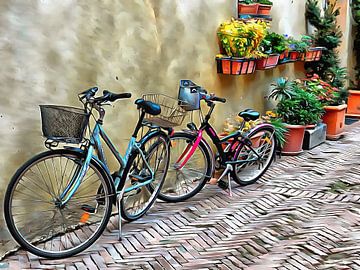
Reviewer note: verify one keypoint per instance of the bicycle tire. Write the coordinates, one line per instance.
(158, 136)
(207, 170)
(72, 233)
(237, 176)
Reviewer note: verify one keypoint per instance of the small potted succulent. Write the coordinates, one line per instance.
(297, 108)
(240, 42)
(248, 7)
(264, 7)
(273, 45)
(333, 103)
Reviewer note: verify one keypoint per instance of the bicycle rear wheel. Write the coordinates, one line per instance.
(32, 205)
(140, 190)
(182, 184)
(264, 144)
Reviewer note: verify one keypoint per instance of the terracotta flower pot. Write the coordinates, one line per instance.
(334, 118)
(264, 9)
(294, 140)
(353, 108)
(249, 9)
(267, 63)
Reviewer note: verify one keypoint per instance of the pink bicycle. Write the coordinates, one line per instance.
(242, 156)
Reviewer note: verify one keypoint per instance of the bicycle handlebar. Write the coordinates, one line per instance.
(107, 96)
(211, 97)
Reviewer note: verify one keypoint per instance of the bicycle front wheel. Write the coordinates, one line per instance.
(255, 159)
(141, 190)
(35, 216)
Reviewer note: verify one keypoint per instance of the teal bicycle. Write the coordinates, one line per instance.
(60, 201)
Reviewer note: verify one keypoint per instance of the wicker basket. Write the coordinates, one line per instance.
(62, 123)
(172, 110)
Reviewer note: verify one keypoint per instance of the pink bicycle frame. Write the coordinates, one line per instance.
(189, 151)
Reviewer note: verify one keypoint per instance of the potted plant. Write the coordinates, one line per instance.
(328, 35)
(296, 49)
(272, 46)
(264, 7)
(333, 103)
(240, 42)
(353, 103)
(297, 108)
(248, 7)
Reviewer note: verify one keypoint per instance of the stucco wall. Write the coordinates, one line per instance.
(51, 50)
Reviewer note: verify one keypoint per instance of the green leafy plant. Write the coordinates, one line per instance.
(273, 43)
(281, 89)
(301, 45)
(265, 2)
(328, 34)
(303, 108)
(247, 2)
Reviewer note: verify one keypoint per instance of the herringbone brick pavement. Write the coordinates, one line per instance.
(303, 214)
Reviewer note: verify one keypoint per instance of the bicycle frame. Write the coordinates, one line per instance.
(227, 155)
(96, 144)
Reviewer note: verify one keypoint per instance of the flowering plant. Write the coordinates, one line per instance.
(326, 94)
(242, 39)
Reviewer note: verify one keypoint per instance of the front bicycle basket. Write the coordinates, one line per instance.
(172, 110)
(63, 123)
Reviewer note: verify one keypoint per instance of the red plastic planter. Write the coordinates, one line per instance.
(249, 9)
(283, 56)
(288, 56)
(313, 54)
(235, 66)
(264, 10)
(267, 63)
(294, 56)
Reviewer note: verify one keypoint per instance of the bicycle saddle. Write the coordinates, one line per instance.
(148, 106)
(249, 114)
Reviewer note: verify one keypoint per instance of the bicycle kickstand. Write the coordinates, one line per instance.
(227, 171)
(118, 203)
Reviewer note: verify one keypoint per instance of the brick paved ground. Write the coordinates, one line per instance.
(304, 214)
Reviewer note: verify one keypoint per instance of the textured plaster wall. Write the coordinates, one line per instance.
(51, 50)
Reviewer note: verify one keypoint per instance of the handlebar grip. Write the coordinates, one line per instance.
(112, 97)
(219, 99)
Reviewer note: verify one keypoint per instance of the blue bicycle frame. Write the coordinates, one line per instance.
(95, 144)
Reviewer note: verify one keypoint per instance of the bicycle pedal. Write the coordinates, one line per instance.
(223, 184)
(139, 178)
(88, 208)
